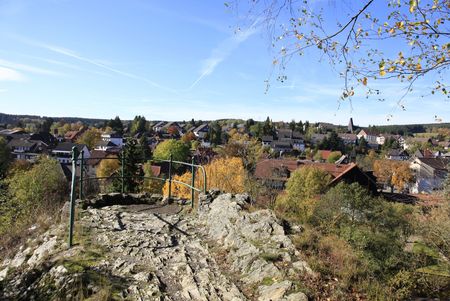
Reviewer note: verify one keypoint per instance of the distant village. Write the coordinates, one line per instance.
(345, 152)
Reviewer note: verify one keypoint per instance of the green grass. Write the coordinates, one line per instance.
(437, 270)
(421, 248)
(267, 281)
(271, 257)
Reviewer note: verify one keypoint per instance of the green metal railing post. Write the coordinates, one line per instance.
(170, 177)
(193, 182)
(73, 194)
(122, 172)
(81, 174)
(204, 180)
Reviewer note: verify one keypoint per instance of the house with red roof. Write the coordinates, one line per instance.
(274, 173)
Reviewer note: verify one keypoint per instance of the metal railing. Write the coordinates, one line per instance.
(79, 157)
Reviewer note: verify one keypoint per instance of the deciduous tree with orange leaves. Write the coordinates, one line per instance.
(395, 174)
(225, 174)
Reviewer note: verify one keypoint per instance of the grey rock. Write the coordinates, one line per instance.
(274, 292)
(296, 297)
(3, 273)
(163, 255)
(43, 250)
(20, 258)
(302, 266)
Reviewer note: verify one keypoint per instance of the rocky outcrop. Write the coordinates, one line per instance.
(138, 248)
(257, 247)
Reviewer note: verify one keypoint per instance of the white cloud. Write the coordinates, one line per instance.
(222, 51)
(98, 63)
(28, 68)
(7, 74)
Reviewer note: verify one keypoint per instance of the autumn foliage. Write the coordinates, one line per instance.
(225, 174)
(108, 167)
(393, 173)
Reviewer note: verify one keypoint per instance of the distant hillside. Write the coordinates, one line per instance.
(403, 129)
(14, 119)
(408, 128)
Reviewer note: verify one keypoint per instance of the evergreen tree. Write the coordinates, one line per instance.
(46, 125)
(215, 133)
(268, 128)
(250, 122)
(324, 144)
(5, 157)
(257, 130)
(116, 125)
(145, 150)
(335, 143)
(130, 156)
(306, 126)
(292, 125)
(299, 127)
(138, 125)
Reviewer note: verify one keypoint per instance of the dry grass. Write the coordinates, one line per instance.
(17, 233)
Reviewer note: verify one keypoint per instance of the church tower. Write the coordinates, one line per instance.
(350, 125)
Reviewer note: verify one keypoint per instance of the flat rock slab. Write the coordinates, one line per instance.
(169, 209)
(160, 242)
(157, 251)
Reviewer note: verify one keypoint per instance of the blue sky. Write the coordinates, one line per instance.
(172, 60)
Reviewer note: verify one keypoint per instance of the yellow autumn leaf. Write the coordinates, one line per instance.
(412, 5)
(381, 66)
(391, 69)
(364, 81)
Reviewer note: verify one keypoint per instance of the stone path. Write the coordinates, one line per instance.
(159, 252)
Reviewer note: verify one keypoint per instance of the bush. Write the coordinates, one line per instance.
(302, 190)
(358, 239)
(178, 149)
(31, 195)
(5, 157)
(331, 256)
(307, 182)
(334, 156)
(402, 285)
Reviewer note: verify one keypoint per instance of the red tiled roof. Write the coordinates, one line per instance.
(343, 172)
(156, 170)
(326, 153)
(96, 157)
(70, 134)
(264, 168)
(335, 170)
